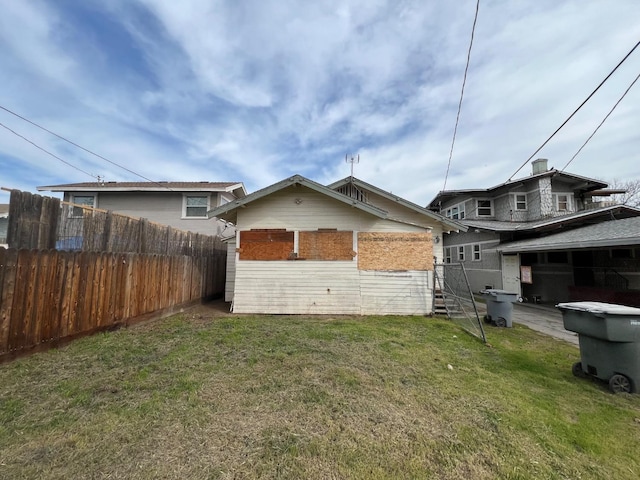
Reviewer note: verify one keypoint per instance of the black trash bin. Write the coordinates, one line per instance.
(609, 337)
(499, 306)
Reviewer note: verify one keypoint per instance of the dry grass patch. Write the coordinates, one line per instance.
(296, 397)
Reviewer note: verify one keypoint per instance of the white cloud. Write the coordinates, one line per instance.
(256, 91)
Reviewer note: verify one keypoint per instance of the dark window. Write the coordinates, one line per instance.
(557, 257)
(621, 253)
(485, 208)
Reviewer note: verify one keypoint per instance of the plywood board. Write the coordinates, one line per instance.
(395, 251)
(325, 245)
(266, 245)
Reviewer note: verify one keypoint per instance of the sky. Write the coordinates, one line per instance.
(255, 91)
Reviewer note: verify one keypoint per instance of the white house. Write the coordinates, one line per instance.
(350, 248)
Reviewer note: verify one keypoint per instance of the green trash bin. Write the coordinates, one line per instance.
(609, 338)
(499, 306)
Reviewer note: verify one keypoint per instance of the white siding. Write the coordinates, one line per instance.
(301, 208)
(292, 287)
(231, 271)
(329, 288)
(312, 211)
(397, 293)
(159, 207)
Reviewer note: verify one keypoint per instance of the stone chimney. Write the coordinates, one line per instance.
(539, 165)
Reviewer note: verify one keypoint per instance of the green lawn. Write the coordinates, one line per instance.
(194, 396)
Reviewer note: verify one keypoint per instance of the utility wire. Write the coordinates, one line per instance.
(603, 120)
(81, 147)
(464, 81)
(574, 112)
(49, 153)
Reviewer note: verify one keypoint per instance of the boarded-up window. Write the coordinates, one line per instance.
(325, 245)
(266, 245)
(395, 251)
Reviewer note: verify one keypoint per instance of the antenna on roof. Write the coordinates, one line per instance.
(352, 161)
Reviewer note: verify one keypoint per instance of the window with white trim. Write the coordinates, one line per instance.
(484, 208)
(195, 206)
(223, 200)
(477, 256)
(447, 254)
(456, 212)
(521, 201)
(563, 202)
(461, 253)
(85, 200)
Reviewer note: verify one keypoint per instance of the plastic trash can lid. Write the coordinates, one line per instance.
(495, 291)
(599, 307)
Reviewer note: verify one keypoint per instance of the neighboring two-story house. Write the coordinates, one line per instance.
(506, 224)
(181, 205)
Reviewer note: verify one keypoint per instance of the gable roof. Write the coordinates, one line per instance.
(584, 183)
(236, 187)
(624, 232)
(454, 225)
(584, 216)
(228, 211)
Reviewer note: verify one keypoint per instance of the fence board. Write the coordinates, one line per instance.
(79, 280)
(100, 287)
(8, 264)
(57, 295)
(41, 315)
(17, 328)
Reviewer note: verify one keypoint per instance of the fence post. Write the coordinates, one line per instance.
(106, 233)
(142, 244)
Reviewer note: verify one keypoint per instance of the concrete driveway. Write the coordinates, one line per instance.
(543, 318)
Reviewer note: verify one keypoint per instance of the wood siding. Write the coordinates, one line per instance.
(329, 288)
(297, 287)
(396, 293)
(299, 208)
(230, 281)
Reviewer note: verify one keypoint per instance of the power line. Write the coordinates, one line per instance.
(464, 81)
(574, 112)
(603, 120)
(49, 153)
(81, 147)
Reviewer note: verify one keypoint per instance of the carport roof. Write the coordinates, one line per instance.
(612, 233)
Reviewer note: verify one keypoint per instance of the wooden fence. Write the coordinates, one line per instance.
(47, 296)
(37, 222)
